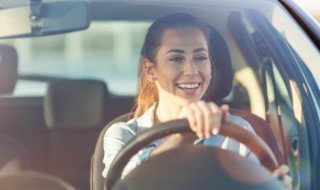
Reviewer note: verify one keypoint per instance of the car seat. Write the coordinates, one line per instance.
(74, 112)
(97, 166)
(8, 69)
(13, 155)
(16, 173)
(32, 180)
(219, 87)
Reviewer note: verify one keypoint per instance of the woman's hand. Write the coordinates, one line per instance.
(283, 174)
(204, 117)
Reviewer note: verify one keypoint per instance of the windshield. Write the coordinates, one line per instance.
(109, 50)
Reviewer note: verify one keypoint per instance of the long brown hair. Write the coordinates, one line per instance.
(147, 90)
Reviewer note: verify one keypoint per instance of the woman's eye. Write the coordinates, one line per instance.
(177, 59)
(201, 58)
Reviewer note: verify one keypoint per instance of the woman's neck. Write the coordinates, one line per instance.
(164, 113)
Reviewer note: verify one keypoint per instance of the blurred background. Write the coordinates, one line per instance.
(311, 6)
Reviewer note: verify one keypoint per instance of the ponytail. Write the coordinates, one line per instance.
(147, 92)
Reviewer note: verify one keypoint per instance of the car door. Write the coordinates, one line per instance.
(290, 93)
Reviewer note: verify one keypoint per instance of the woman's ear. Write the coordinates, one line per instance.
(149, 69)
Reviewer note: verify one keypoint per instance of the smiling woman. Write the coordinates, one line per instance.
(175, 73)
(181, 68)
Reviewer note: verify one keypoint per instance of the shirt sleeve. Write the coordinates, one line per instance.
(115, 138)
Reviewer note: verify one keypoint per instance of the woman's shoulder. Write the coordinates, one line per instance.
(123, 127)
(134, 125)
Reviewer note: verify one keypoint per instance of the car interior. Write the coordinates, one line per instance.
(31, 180)
(220, 87)
(15, 157)
(57, 136)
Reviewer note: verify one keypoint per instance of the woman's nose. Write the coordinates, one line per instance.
(190, 68)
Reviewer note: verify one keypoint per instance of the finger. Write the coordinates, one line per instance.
(199, 116)
(287, 181)
(225, 111)
(285, 169)
(187, 113)
(282, 174)
(207, 114)
(215, 118)
(282, 170)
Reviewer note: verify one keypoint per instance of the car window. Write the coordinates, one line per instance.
(108, 51)
(296, 37)
(278, 56)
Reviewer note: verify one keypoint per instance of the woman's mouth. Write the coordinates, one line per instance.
(189, 88)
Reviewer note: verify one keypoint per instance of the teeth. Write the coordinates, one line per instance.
(195, 85)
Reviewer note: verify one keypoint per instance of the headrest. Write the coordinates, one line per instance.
(222, 73)
(8, 69)
(78, 103)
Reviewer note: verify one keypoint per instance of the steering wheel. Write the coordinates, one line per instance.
(253, 142)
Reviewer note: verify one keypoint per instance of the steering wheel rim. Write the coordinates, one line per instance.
(228, 129)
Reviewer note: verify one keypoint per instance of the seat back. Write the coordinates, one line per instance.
(32, 180)
(13, 155)
(74, 115)
(262, 129)
(8, 69)
(97, 166)
(221, 86)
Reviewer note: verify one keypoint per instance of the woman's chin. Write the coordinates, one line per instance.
(186, 101)
(189, 96)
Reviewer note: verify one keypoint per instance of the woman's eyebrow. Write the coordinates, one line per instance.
(199, 49)
(182, 51)
(176, 51)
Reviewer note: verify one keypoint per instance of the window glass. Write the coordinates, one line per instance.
(107, 50)
(297, 39)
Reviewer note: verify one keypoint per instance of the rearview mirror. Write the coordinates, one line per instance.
(38, 19)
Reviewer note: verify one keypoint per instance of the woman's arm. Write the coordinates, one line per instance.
(114, 139)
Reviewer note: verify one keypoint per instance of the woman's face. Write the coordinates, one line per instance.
(182, 67)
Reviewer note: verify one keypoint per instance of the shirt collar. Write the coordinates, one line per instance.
(146, 120)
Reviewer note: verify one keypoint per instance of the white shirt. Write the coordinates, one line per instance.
(120, 133)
